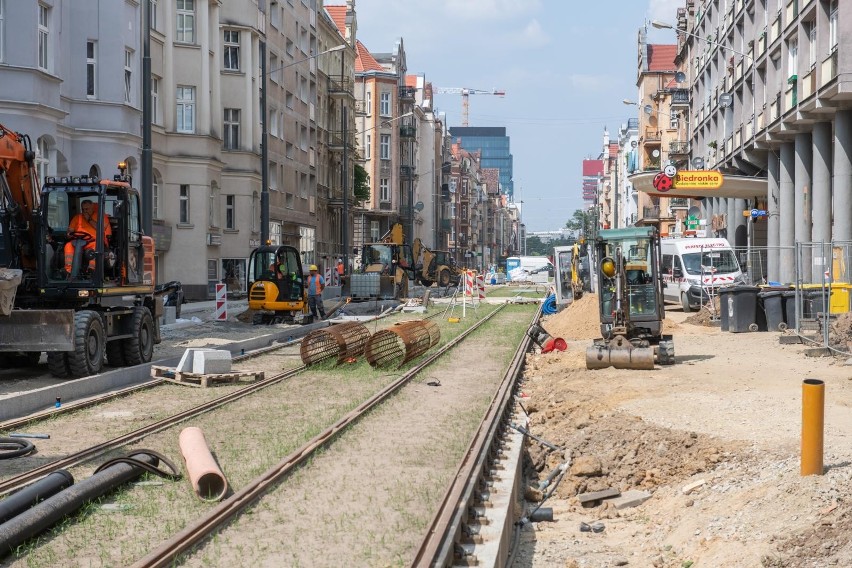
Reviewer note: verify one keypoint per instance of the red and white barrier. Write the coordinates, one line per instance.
(221, 313)
(480, 286)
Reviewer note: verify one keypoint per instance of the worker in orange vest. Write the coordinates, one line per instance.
(315, 284)
(84, 226)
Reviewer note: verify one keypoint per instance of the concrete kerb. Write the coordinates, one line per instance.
(36, 400)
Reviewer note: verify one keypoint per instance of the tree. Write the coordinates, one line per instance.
(362, 184)
(581, 222)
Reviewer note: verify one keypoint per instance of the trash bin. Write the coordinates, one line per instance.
(789, 299)
(723, 308)
(773, 307)
(742, 308)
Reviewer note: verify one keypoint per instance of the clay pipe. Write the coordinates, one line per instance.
(207, 479)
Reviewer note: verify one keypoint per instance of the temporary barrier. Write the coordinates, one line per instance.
(221, 313)
(480, 286)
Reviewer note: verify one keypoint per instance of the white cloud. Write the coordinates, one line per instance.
(533, 35)
(489, 9)
(664, 10)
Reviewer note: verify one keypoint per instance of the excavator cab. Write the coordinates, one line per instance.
(276, 285)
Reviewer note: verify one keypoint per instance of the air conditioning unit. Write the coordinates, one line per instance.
(214, 240)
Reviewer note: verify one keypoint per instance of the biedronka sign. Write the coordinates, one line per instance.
(698, 179)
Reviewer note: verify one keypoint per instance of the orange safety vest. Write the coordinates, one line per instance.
(317, 284)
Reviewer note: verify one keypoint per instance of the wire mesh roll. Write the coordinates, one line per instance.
(342, 341)
(401, 343)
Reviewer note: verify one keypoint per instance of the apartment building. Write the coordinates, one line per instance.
(608, 199)
(626, 197)
(769, 101)
(464, 186)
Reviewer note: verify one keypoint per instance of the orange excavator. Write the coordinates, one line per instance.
(75, 295)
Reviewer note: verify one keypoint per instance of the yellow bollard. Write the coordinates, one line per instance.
(813, 418)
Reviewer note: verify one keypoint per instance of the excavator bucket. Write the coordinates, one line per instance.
(619, 353)
(37, 330)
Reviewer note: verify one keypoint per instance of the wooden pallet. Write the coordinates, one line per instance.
(203, 381)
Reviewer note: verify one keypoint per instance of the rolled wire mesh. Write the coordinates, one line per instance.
(401, 343)
(342, 341)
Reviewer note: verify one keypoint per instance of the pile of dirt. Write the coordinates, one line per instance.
(841, 330)
(580, 320)
(613, 449)
(705, 316)
(246, 316)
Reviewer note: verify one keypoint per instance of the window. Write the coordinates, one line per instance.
(128, 76)
(673, 121)
(186, 109)
(792, 57)
(307, 242)
(303, 186)
(273, 176)
(213, 206)
(303, 138)
(273, 122)
(154, 14)
(384, 146)
(384, 189)
(156, 115)
(232, 129)
(810, 27)
(155, 195)
(832, 26)
(212, 276)
(374, 231)
(275, 232)
(385, 104)
(275, 15)
(43, 37)
(290, 151)
(289, 100)
(43, 166)
(289, 47)
(369, 150)
(184, 204)
(230, 212)
(369, 102)
(91, 69)
(185, 21)
(232, 50)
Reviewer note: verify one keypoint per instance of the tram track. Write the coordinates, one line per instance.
(250, 492)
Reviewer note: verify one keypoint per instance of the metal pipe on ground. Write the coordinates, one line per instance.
(52, 510)
(207, 479)
(620, 356)
(343, 340)
(45, 487)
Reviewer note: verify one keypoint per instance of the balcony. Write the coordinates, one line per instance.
(652, 212)
(407, 131)
(407, 93)
(339, 85)
(652, 164)
(679, 203)
(680, 98)
(678, 147)
(361, 108)
(651, 133)
(792, 10)
(829, 68)
(809, 84)
(336, 140)
(385, 206)
(406, 171)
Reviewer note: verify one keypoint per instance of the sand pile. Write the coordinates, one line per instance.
(705, 315)
(580, 320)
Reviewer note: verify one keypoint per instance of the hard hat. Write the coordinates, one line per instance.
(313, 267)
(608, 267)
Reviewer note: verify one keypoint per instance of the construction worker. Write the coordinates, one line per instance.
(84, 226)
(316, 283)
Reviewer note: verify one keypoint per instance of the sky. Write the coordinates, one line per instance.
(566, 67)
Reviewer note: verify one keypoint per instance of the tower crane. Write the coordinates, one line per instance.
(464, 92)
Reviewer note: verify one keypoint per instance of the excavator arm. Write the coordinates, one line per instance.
(19, 198)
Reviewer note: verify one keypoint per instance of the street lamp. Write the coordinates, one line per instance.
(264, 135)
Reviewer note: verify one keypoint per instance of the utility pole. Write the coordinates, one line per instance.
(147, 161)
(264, 150)
(345, 221)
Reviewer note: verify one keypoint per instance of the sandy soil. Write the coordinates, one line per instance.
(728, 413)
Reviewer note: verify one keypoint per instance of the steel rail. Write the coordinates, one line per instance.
(98, 399)
(168, 551)
(20, 480)
(439, 544)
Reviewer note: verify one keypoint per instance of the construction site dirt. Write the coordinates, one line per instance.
(714, 441)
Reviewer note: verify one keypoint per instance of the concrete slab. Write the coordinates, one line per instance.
(598, 495)
(789, 339)
(211, 361)
(632, 498)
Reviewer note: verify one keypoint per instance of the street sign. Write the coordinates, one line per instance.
(755, 213)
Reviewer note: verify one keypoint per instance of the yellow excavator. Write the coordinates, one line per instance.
(435, 266)
(630, 297)
(386, 268)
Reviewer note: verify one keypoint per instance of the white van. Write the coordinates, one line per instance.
(694, 268)
(536, 269)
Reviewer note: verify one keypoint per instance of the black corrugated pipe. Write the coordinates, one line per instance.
(19, 502)
(52, 510)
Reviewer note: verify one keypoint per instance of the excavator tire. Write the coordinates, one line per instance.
(89, 344)
(666, 353)
(57, 364)
(140, 348)
(444, 278)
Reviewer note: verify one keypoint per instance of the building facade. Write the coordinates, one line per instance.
(495, 147)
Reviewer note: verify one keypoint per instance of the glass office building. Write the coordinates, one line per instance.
(494, 144)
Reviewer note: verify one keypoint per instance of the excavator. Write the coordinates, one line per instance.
(386, 267)
(276, 286)
(630, 298)
(436, 266)
(79, 296)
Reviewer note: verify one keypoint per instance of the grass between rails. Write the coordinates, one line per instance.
(246, 437)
